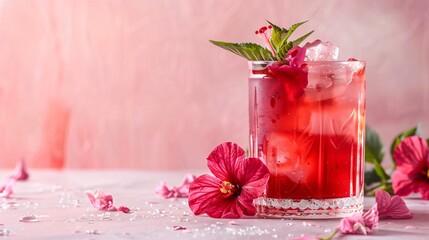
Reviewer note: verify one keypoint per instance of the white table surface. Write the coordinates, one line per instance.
(57, 200)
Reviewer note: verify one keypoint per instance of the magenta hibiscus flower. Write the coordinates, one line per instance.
(238, 180)
(295, 75)
(412, 167)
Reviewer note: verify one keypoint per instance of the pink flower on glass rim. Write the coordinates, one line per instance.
(294, 76)
(391, 207)
(360, 223)
(412, 167)
(238, 180)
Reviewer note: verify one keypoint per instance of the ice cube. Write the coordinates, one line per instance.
(321, 51)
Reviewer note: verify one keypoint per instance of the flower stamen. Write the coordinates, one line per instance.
(265, 33)
(226, 187)
(427, 173)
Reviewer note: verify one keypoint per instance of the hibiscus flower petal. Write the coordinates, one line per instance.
(99, 199)
(424, 190)
(224, 208)
(247, 206)
(397, 209)
(201, 192)
(347, 224)
(252, 176)
(402, 184)
(383, 200)
(411, 155)
(370, 218)
(224, 159)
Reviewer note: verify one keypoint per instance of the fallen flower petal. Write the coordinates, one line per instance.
(100, 200)
(181, 191)
(6, 190)
(177, 228)
(124, 209)
(20, 172)
(391, 207)
(360, 223)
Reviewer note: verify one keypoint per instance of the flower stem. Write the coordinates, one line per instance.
(331, 235)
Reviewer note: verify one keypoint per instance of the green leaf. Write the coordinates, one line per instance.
(283, 50)
(371, 177)
(250, 51)
(280, 36)
(388, 188)
(299, 40)
(398, 139)
(374, 151)
(276, 35)
(290, 31)
(379, 170)
(427, 140)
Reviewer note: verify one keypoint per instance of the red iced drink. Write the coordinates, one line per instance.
(313, 142)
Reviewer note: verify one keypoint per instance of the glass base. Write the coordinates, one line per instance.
(309, 208)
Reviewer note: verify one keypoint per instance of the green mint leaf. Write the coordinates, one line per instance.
(373, 147)
(250, 51)
(290, 31)
(280, 36)
(276, 35)
(299, 40)
(398, 139)
(281, 53)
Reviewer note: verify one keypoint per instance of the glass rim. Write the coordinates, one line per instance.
(317, 62)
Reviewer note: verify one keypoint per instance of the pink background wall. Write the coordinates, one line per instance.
(100, 84)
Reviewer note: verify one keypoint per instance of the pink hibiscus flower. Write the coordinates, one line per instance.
(238, 180)
(412, 167)
(391, 207)
(295, 75)
(360, 223)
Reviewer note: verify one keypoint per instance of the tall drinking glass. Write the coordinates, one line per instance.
(313, 145)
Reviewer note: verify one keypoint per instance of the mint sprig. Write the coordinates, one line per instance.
(279, 41)
(250, 51)
(280, 36)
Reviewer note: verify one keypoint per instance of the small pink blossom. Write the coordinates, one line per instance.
(360, 223)
(238, 181)
(391, 207)
(181, 191)
(412, 167)
(20, 173)
(100, 200)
